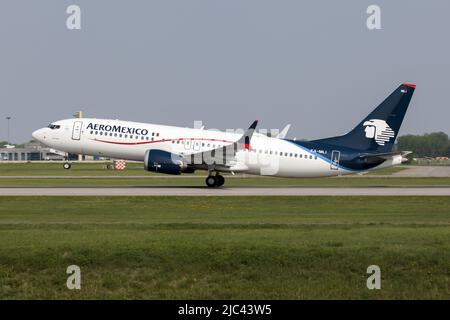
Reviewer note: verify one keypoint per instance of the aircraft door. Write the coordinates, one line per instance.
(196, 145)
(76, 133)
(335, 156)
(187, 144)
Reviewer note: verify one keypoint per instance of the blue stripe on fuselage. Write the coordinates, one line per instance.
(297, 143)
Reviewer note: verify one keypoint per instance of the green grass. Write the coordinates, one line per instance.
(95, 174)
(99, 169)
(225, 248)
(77, 169)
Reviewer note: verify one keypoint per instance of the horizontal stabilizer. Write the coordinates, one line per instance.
(383, 156)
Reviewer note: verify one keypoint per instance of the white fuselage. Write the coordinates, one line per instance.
(130, 140)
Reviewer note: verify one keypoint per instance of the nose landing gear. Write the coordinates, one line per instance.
(215, 181)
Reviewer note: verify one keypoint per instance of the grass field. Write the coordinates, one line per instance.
(95, 174)
(99, 169)
(77, 169)
(233, 247)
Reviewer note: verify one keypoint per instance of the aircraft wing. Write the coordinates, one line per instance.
(223, 158)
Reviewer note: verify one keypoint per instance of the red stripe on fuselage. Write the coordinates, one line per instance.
(162, 140)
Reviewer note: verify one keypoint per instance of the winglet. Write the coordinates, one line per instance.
(247, 136)
(283, 132)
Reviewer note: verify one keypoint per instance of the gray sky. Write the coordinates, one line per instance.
(226, 62)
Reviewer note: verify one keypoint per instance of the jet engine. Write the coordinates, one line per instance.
(165, 162)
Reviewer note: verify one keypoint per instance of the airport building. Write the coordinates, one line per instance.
(31, 151)
(35, 151)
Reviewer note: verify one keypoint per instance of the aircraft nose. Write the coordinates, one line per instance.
(38, 135)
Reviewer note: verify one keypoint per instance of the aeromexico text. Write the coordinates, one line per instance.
(119, 129)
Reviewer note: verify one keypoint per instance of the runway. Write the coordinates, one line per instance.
(231, 191)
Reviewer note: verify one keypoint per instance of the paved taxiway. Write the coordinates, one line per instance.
(424, 172)
(232, 191)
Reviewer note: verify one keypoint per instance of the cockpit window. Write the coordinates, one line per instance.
(54, 126)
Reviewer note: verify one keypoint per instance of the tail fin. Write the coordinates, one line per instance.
(377, 132)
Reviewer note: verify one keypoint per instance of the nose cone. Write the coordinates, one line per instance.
(38, 135)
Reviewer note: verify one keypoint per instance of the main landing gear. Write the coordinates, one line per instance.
(215, 181)
(66, 165)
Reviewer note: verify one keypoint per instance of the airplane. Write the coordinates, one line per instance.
(177, 150)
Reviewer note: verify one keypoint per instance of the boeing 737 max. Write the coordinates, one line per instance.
(176, 150)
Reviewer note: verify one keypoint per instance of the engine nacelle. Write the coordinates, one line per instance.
(165, 162)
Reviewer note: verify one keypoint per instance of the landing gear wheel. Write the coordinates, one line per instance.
(211, 181)
(67, 166)
(220, 180)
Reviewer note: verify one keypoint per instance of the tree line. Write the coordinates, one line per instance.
(435, 144)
